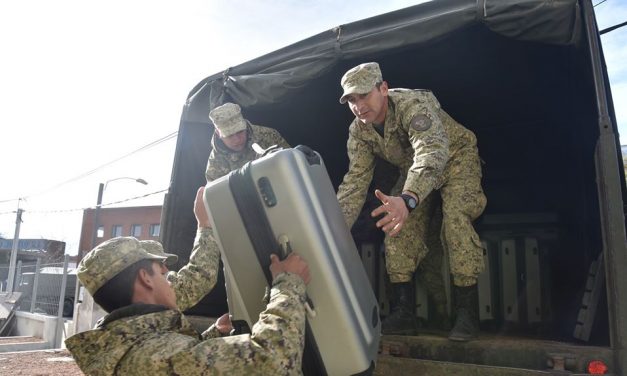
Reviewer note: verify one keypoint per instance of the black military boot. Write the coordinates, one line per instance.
(440, 319)
(467, 311)
(402, 320)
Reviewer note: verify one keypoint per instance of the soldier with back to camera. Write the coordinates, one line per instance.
(145, 333)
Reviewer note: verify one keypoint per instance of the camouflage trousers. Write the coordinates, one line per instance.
(461, 200)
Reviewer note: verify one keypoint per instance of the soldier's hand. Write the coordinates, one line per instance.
(223, 324)
(202, 218)
(292, 264)
(395, 211)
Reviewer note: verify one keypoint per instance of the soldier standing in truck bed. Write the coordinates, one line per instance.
(435, 155)
(233, 139)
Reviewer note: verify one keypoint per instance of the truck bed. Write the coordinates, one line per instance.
(487, 352)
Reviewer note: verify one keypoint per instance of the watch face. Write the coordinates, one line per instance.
(409, 201)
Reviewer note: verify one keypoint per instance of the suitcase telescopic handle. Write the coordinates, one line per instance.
(312, 157)
(286, 249)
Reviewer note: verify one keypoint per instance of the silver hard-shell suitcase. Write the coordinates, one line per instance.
(291, 192)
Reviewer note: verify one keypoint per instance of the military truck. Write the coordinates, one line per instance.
(529, 79)
(49, 283)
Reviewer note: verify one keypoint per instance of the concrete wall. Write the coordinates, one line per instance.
(33, 325)
(86, 314)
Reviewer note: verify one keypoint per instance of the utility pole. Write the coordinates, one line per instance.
(96, 214)
(86, 303)
(16, 240)
(87, 312)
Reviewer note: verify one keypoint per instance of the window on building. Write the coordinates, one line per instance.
(136, 230)
(100, 231)
(116, 230)
(154, 230)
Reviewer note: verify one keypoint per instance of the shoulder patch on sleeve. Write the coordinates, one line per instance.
(420, 123)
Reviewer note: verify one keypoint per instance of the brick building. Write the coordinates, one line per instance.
(142, 222)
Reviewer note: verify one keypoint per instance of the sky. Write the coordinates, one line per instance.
(84, 83)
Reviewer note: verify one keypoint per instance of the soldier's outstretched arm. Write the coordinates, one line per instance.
(394, 213)
(352, 192)
(276, 344)
(430, 142)
(199, 276)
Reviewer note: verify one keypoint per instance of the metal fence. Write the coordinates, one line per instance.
(41, 285)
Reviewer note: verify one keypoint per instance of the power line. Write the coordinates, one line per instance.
(85, 174)
(600, 2)
(134, 198)
(154, 143)
(10, 200)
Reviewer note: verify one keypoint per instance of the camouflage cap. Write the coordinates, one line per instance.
(360, 79)
(228, 119)
(108, 259)
(156, 248)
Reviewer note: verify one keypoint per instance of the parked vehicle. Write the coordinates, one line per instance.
(529, 78)
(48, 291)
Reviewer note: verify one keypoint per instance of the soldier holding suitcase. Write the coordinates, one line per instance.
(233, 139)
(146, 334)
(437, 159)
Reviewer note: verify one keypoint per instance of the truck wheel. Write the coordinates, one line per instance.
(68, 307)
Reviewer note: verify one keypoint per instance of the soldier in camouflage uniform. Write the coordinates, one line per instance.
(146, 333)
(196, 279)
(233, 140)
(435, 156)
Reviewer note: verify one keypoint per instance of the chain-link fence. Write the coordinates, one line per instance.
(40, 284)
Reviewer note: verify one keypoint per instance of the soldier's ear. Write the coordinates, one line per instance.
(383, 89)
(144, 279)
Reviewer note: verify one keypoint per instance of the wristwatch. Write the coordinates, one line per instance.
(410, 202)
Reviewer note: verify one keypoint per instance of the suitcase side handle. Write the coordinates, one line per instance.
(253, 217)
(286, 249)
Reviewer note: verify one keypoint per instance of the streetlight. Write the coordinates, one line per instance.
(139, 180)
(101, 189)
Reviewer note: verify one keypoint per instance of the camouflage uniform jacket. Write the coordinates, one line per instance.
(419, 138)
(143, 339)
(222, 160)
(197, 278)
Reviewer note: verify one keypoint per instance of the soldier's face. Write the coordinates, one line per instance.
(237, 141)
(371, 107)
(163, 291)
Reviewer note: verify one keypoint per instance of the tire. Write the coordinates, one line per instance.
(68, 307)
